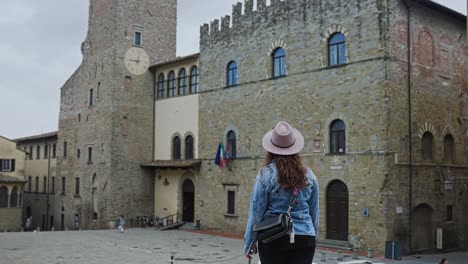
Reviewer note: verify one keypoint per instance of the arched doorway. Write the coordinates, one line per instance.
(188, 201)
(337, 211)
(421, 227)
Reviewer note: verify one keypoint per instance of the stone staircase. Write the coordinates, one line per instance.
(336, 244)
(191, 226)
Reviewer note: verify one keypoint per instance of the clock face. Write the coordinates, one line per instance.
(136, 61)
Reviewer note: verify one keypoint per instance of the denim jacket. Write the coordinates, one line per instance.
(269, 198)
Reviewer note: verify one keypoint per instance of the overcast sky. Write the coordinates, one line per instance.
(40, 48)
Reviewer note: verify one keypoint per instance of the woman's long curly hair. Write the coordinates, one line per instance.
(291, 170)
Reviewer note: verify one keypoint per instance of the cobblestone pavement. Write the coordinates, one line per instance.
(135, 246)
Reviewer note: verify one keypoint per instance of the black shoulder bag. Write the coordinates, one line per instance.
(276, 226)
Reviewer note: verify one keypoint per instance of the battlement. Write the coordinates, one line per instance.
(277, 10)
(246, 20)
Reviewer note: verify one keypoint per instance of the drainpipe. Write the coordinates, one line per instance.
(410, 147)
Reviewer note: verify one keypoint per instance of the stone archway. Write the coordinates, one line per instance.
(188, 201)
(422, 238)
(337, 211)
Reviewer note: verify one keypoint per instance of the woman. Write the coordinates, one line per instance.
(283, 172)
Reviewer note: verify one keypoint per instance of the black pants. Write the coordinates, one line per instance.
(280, 251)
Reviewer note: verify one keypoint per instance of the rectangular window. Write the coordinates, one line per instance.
(90, 154)
(30, 152)
(91, 97)
(231, 204)
(137, 38)
(37, 184)
(29, 183)
(65, 149)
(449, 213)
(46, 151)
(38, 152)
(44, 185)
(52, 189)
(63, 185)
(78, 154)
(6, 165)
(161, 86)
(77, 186)
(54, 149)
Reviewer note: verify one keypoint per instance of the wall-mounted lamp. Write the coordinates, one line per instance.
(449, 182)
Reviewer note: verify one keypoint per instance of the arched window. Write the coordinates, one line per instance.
(426, 146)
(182, 81)
(176, 148)
(231, 144)
(231, 73)
(171, 89)
(279, 63)
(14, 197)
(194, 80)
(337, 137)
(161, 86)
(449, 148)
(189, 148)
(3, 197)
(337, 49)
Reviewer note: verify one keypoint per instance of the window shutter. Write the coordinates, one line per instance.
(12, 165)
(1, 165)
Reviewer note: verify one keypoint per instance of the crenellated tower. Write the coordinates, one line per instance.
(106, 114)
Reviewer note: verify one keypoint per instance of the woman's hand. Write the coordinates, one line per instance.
(252, 251)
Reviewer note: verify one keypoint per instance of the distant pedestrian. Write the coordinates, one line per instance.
(77, 222)
(121, 223)
(28, 223)
(443, 261)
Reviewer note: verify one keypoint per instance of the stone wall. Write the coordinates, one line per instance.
(11, 219)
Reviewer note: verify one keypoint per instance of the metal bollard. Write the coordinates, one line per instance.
(369, 252)
(340, 255)
(355, 253)
(323, 257)
(172, 259)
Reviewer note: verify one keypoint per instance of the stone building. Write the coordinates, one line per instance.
(383, 130)
(11, 185)
(42, 182)
(378, 88)
(106, 112)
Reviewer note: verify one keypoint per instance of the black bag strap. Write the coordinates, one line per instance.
(293, 198)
